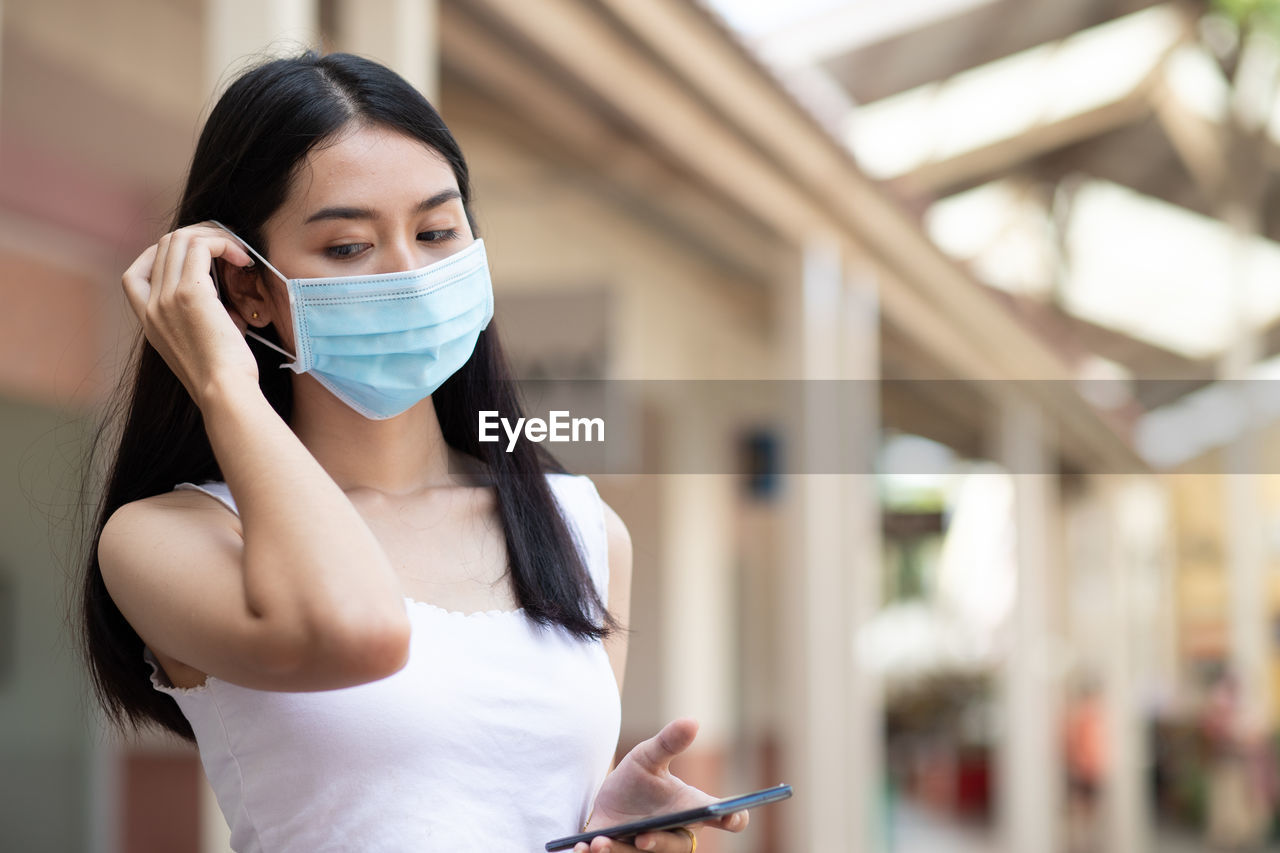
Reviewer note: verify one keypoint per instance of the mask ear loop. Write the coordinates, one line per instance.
(261, 339)
(267, 264)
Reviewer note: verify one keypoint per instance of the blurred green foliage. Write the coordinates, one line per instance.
(1251, 13)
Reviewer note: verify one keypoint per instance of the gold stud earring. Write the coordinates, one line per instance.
(255, 315)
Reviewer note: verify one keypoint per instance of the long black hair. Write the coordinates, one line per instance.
(255, 138)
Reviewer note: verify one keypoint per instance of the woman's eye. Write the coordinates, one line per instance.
(350, 250)
(346, 250)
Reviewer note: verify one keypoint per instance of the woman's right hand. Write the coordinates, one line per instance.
(171, 290)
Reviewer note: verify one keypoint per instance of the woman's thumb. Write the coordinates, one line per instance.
(656, 753)
(677, 735)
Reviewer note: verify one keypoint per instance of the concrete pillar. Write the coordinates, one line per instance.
(760, 661)
(830, 517)
(401, 34)
(1249, 599)
(1248, 589)
(238, 31)
(864, 565)
(1135, 541)
(1029, 774)
(1159, 598)
(697, 601)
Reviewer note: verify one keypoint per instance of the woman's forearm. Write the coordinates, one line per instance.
(311, 564)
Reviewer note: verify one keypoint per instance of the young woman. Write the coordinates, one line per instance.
(382, 634)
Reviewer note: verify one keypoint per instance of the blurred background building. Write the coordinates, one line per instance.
(999, 574)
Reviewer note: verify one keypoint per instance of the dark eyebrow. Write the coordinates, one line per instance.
(326, 213)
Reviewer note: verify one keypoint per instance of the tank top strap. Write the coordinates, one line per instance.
(218, 490)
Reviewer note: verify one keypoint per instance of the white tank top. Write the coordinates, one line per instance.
(494, 736)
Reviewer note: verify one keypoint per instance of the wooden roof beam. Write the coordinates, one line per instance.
(724, 75)
(582, 136)
(576, 37)
(783, 168)
(944, 177)
(759, 109)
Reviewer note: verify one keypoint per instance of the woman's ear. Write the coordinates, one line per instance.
(244, 291)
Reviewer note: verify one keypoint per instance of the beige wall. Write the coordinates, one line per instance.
(546, 229)
(115, 87)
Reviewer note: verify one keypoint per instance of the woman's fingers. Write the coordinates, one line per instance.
(170, 287)
(179, 259)
(649, 842)
(136, 281)
(655, 754)
(173, 261)
(678, 841)
(156, 276)
(222, 245)
(219, 243)
(664, 842)
(735, 822)
(196, 268)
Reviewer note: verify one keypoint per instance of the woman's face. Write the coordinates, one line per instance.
(375, 201)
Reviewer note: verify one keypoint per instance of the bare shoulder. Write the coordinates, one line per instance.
(183, 518)
(148, 548)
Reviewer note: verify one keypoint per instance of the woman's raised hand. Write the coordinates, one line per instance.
(642, 786)
(171, 290)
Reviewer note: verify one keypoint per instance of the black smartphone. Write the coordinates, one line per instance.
(720, 808)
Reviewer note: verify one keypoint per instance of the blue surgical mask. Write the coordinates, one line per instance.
(382, 343)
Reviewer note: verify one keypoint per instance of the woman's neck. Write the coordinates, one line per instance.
(397, 456)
